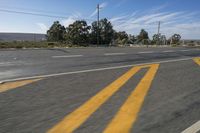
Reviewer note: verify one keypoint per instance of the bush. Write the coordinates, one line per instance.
(191, 44)
(51, 43)
(25, 44)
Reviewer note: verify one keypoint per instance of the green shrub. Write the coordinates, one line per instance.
(51, 43)
(191, 44)
(42, 44)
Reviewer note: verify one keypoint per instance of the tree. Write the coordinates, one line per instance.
(163, 40)
(156, 38)
(143, 35)
(78, 32)
(56, 32)
(106, 32)
(175, 39)
(159, 39)
(131, 39)
(121, 37)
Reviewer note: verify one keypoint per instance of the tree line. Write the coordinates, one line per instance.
(80, 33)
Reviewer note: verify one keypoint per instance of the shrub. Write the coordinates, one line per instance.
(191, 44)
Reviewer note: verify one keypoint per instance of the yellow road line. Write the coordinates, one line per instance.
(80, 115)
(197, 60)
(12, 85)
(127, 115)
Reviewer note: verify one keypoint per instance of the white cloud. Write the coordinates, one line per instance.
(103, 5)
(75, 16)
(184, 23)
(43, 27)
(159, 8)
(68, 21)
(164, 17)
(118, 18)
(187, 30)
(94, 13)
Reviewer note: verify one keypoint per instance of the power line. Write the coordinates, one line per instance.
(31, 9)
(38, 14)
(31, 13)
(53, 16)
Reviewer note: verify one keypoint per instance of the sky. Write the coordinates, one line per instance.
(176, 16)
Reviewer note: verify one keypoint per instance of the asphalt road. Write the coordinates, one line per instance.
(26, 63)
(94, 90)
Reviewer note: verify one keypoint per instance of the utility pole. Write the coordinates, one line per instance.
(98, 34)
(158, 33)
(158, 27)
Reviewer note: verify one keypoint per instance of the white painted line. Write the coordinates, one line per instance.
(2, 63)
(146, 52)
(110, 54)
(186, 50)
(168, 51)
(94, 70)
(193, 129)
(67, 56)
(6, 64)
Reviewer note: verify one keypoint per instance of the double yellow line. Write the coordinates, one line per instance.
(124, 119)
(127, 114)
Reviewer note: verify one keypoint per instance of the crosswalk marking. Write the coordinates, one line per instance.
(127, 115)
(75, 119)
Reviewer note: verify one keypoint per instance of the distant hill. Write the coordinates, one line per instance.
(22, 37)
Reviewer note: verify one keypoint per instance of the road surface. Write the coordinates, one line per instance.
(94, 90)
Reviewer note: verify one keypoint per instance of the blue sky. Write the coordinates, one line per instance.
(176, 16)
